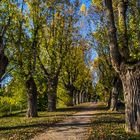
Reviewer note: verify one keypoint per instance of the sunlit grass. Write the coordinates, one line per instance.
(107, 125)
(20, 127)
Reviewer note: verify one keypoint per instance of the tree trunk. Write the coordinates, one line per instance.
(114, 99)
(80, 97)
(32, 97)
(71, 92)
(52, 89)
(115, 93)
(74, 98)
(52, 101)
(3, 58)
(109, 100)
(89, 98)
(130, 76)
(77, 98)
(84, 97)
(70, 102)
(115, 55)
(3, 64)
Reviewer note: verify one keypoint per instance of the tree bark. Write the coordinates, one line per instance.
(70, 102)
(123, 39)
(114, 99)
(77, 98)
(32, 97)
(3, 64)
(52, 89)
(84, 97)
(52, 101)
(109, 100)
(80, 97)
(74, 98)
(130, 76)
(113, 44)
(115, 93)
(71, 92)
(3, 58)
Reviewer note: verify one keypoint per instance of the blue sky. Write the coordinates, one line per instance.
(86, 2)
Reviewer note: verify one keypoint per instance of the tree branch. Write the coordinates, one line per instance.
(123, 39)
(116, 58)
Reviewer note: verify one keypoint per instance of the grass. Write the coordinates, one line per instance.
(107, 125)
(18, 127)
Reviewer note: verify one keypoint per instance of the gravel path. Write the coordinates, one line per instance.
(74, 127)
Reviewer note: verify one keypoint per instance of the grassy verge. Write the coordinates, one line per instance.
(108, 125)
(18, 127)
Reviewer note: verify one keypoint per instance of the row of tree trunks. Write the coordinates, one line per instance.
(80, 97)
(77, 97)
(32, 97)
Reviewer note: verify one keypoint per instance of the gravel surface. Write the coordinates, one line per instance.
(75, 127)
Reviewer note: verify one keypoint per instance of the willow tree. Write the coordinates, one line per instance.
(125, 58)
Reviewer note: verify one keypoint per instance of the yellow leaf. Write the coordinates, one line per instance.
(83, 8)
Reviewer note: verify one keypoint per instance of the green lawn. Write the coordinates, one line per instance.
(18, 127)
(108, 125)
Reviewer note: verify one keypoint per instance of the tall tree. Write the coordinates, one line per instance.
(75, 74)
(5, 18)
(56, 38)
(116, 90)
(25, 42)
(127, 67)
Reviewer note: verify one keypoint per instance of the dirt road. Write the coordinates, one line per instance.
(75, 127)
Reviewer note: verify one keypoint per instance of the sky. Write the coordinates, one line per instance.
(85, 24)
(86, 2)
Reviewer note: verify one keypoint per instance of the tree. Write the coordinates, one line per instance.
(116, 90)
(75, 75)
(102, 64)
(127, 66)
(56, 36)
(25, 42)
(6, 10)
